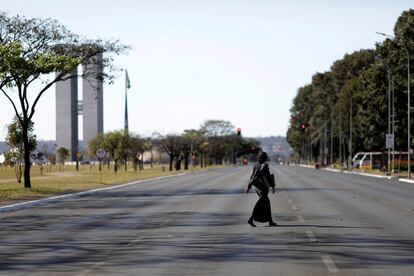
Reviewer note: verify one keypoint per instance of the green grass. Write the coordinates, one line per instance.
(55, 181)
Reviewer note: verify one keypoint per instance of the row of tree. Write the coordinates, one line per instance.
(215, 142)
(345, 110)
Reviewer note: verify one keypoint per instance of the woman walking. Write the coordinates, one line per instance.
(262, 211)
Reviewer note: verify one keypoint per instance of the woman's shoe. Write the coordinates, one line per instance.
(250, 221)
(272, 223)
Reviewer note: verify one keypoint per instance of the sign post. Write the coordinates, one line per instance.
(100, 154)
(389, 141)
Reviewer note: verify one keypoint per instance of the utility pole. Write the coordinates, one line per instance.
(350, 132)
(389, 116)
(127, 86)
(393, 126)
(331, 155)
(340, 140)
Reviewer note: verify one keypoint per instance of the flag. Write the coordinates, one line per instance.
(127, 83)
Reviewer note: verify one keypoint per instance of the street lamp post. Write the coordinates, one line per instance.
(408, 105)
(389, 108)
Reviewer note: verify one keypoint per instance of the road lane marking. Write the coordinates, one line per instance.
(301, 219)
(294, 208)
(87, 271)
(290, 201)
(311, 236)
(183, 210)
(330, 265)
(194, 203)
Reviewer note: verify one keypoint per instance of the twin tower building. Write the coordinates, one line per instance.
(68, 107)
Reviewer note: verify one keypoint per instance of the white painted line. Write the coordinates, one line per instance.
(87, 271)
(286, 195)
(294, 208)
(194, 203)
(311, 236)
(301, 219)
(331, 170)
(385, 201)
(183, 210)
(32, 203)
(290, 201)
(330, 265)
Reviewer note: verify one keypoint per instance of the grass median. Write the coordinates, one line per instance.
(56, 180)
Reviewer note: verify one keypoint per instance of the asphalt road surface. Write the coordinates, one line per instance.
(196, 224)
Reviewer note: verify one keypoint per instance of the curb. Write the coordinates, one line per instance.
(406, 180)
(27, 204)
(355, 173)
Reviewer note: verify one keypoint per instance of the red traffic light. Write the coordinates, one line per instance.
(238, 130)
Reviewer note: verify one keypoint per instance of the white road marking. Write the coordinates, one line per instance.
(294, 208)
(290, 201)
(194, 203)
(311, 236)
(301, 219)
(183, 210)
(87, 271)
(330, 265)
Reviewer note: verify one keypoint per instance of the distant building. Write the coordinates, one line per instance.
(68, 108)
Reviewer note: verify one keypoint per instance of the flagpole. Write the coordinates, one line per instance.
(126, 104)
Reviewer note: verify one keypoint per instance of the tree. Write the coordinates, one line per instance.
(137, 148)
(171, 144)
(111, 143)
(217, 128)
(14, 139)
(35, 48)
(94, 144)
(63, 155)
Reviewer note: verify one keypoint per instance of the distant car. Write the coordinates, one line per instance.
(245, 162)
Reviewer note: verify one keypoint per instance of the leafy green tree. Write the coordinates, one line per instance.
(138, 145)
(33, 48)
(217, 128)
(94, 144)
(111, 144)
(14, 139)
(63, 155)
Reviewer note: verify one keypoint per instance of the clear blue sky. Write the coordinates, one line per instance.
(192, 60)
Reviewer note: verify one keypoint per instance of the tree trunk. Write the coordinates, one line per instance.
(27, 183)
(152, 160)
(135, 163)
(178, 164)
(171, 162)
(186, 161)
(126, 164)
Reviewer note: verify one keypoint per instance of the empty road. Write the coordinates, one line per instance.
(196, 224)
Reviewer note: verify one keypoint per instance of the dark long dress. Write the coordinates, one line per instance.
(262, 211)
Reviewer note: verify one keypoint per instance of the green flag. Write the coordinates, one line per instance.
(127, 83)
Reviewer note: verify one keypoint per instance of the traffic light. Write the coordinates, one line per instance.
(303, 127)
(238, 131)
